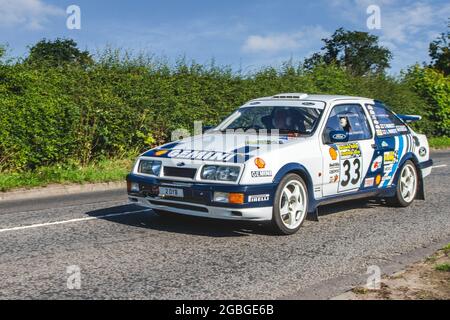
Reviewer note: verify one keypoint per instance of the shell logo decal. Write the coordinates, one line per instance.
(333, 153)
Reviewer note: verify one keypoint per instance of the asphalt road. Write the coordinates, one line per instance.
(123, 252)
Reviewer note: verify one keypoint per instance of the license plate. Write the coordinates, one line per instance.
(170, 192)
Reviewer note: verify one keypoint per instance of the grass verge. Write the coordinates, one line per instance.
(439, 142)
(102, 171)
(443, 267)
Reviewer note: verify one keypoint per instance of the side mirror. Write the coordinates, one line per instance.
(338, 136)
(207, 128)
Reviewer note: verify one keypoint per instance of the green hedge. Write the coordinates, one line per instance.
(117, 108)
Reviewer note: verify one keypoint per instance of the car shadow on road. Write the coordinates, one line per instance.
(178, 223)
(349, 205)
(203, 226)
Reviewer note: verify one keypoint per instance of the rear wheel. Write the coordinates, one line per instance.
(406, 186)
(290, 206)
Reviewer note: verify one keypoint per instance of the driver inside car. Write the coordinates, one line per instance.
(345, 124)
(281, 119)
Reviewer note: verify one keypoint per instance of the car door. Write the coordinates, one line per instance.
(346, 164)
(392, 141)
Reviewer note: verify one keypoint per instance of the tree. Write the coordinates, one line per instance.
(358, 52)
(440, 53)
(57, 53)
(3, 49)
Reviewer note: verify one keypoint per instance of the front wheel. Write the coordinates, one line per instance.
(290, 206)
(406, 186)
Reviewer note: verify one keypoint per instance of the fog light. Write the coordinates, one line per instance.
(134, 187)
(236, 198)
(221, 197)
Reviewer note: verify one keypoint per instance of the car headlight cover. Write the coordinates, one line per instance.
(220, 173)
(152, 167)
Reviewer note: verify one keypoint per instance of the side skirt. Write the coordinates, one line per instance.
(313, 214)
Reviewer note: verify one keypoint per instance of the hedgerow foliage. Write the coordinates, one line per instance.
(117, 107)
(434, 87)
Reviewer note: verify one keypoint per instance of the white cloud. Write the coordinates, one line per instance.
(31, 14)
(281, 42)
(271, 43)
(402, 25)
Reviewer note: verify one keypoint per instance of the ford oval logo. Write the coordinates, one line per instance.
(181, 164)
(339, 136)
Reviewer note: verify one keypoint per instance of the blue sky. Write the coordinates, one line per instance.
(245, 33)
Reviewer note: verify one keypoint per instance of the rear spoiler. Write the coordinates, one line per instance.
(409, 118)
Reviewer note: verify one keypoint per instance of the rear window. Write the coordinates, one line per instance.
(385, 121)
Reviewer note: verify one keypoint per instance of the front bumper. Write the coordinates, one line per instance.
(249, 214)
(198, 199)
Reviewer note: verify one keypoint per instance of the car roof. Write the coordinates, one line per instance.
(302, 97)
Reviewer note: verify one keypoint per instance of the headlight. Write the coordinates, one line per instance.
(151, 167)
(220, 173)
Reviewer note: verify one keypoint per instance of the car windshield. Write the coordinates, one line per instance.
(297, 120)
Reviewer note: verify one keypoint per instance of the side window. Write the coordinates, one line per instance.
(385, 121)
(349, 118)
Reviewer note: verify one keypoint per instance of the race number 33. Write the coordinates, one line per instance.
(351, 164)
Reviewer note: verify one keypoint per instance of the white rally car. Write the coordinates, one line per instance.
(279, 158)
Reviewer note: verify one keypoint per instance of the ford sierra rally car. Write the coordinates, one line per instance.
(279, 158)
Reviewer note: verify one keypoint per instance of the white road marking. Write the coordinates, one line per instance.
(441, 166)
(39, 225)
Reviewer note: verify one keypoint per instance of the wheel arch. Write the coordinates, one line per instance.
(300, 170)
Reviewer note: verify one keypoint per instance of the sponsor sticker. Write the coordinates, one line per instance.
(377, 164)
(261, 174)
(333, 153)
(268, 142)
(201, 155)
(390, 157)
(422, 151)
(369, 182)
(387, 169)
(378, 179)
(348, 151)
(334, 168)
(334, 179)
(259, 198)
(161, 153)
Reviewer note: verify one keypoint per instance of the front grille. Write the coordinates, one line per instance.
(180, 172)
